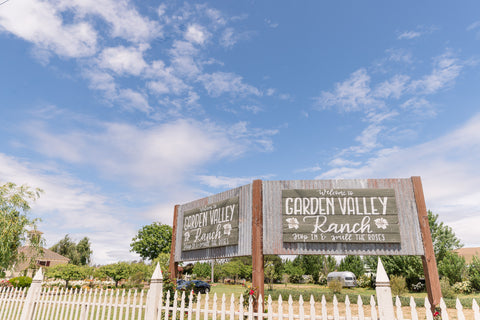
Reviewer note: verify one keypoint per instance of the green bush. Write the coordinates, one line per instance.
(364, 281)
(335, 286)
(398, 284)
(447, 291)
(21, 282)
(464, 287)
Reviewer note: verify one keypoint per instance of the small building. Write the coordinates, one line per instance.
(468, 253)
(45, 258)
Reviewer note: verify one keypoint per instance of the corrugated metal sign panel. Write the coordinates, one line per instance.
(411, 240)
(244, 247)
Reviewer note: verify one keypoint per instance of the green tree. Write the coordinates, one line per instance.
(151, 240)
(115, 271)
(310, 264)
(202, 270)
(84, 251)
(68, 272)
(14, 221)
(474, 273)
(79, 254)
(329, 264)
(452, 267)
(164, 260)
(294, 271)
(410, 267)
(353, 264)
(443, 237)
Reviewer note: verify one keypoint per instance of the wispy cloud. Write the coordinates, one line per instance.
(382, 100)
(409, 35)
(351, 95)
(156, 155)
(446, 69)
(453, 157)
(224, 182)
(219, 83)
(72, 205)
(418, 32)
(474, 25)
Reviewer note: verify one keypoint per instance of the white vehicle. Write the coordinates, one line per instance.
(346, 278)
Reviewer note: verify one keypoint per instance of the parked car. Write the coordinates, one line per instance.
(346, 278)
(197, 286)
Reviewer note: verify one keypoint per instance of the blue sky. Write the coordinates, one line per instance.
(119, 110)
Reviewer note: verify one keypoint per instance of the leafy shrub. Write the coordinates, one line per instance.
(335, 286)
(364, 281)
(447, 291)
(398, 284)
(463, 287)
(21, 282)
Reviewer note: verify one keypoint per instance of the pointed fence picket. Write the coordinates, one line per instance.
(99, 304)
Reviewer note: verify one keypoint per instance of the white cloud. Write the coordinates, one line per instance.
(252, 108)
(219, 83)
(315, 168)
(351, 95)
(133, 100)
(409, 35)
(449, 169)
(228, 38)
(393, 87)
(70, 205)
(122, 17)
(196, 33)
(154, 156)
(41, 23)
(224, 182)
(420, 106)
(446, 69)
(123, 60)
(473, 26)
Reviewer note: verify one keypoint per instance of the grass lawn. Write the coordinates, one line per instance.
(317, 291)
(295, 290)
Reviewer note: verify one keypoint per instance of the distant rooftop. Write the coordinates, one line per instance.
(468, 253)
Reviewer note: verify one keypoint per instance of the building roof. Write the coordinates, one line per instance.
(468, 253)
(47, 254)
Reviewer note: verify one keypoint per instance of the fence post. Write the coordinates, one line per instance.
(154, 294)
(384, 293)
(32, 296)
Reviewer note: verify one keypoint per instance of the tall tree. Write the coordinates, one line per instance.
(353, 264)
(151, 240)
(443, 237)
(116, 271)
(79, 254)
(14, 206)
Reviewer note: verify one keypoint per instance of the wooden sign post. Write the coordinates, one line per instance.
(432, 281)
(308, 217)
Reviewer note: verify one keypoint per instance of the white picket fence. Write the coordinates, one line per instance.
(96, 304)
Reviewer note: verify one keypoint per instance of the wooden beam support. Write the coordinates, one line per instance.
(257, 239)
(432, 281)
(173, 266)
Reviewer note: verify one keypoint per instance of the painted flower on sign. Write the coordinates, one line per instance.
(381, 223)
(227, 228)
(292, 223)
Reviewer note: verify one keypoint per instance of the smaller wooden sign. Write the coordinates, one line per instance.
(340, 215)
(214, 225)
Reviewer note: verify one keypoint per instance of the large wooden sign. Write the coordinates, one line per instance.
(292, 217)
(340, 215)
(214, 225)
